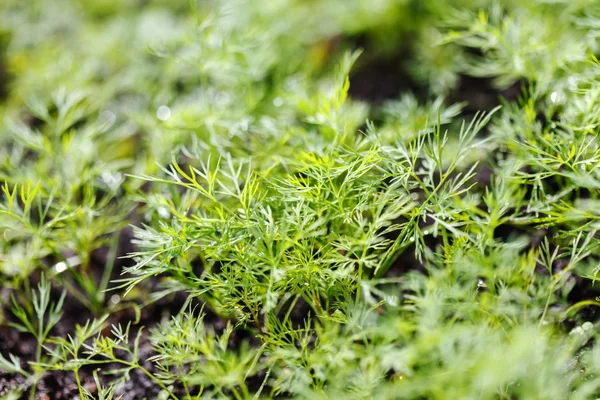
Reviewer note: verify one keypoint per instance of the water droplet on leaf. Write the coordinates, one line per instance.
(163, 113)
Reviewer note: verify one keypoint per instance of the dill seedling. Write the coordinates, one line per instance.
(216, 190)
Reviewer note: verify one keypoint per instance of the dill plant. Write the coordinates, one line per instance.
(327, 247)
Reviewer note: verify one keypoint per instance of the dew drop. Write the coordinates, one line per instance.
(554, 97)
(163, 113)
(163, 212)
(60, 267)
(68, 263)
(277, 101)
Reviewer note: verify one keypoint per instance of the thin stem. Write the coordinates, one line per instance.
(78, 381)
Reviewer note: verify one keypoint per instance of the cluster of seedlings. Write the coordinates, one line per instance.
(324, 199)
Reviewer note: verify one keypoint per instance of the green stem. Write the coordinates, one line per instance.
(112, 255)
(78, 381)
(236, 393)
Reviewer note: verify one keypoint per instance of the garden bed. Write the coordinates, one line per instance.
(287, 199)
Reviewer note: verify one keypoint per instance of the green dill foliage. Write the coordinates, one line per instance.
(37, 321)
(438, 243)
